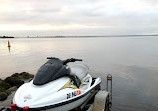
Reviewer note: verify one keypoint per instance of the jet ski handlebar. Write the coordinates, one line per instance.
(50, 57)
(70, 60)
(67, 60)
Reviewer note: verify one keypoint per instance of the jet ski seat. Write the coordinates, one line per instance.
(78, 72)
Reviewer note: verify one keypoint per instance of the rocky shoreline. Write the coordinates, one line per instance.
(10, 84)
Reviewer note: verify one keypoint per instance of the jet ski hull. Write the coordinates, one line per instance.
(70, 103)
(53, 91)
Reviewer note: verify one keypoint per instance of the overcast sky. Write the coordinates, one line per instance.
(78, 17)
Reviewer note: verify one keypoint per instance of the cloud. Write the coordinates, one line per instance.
(83, 15)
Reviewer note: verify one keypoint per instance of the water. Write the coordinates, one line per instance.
(132, 61)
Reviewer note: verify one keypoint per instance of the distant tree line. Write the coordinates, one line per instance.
(6, 37)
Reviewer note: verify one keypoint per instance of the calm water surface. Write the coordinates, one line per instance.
(132, 61)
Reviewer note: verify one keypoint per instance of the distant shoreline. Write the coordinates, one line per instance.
(6, 37)
(78, 36)
(87, 36)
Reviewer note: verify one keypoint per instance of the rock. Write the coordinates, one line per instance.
(4, 85)
(26, 75)
(15, 75)
(16, 79)
(23, 75)
(13, 81)
(8, 91)
(5, 109)
(3, 96)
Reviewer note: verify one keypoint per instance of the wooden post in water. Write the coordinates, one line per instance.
(109, 79)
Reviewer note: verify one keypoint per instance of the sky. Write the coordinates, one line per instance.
(23, 18)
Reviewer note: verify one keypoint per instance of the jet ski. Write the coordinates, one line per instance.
(56, 87)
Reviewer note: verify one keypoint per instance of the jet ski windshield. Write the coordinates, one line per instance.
(51, 70)
(79, 70)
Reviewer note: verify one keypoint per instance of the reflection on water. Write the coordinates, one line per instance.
(132, 61)
(9, 49)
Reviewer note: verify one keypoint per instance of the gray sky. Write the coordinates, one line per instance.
(78, 17)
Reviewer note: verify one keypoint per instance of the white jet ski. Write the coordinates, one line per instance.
(56, 87)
